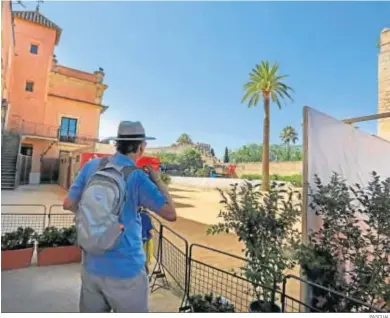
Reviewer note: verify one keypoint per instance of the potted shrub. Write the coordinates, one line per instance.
(17, 248)
(266, 223)
(58, 246)
(348, 238)
(210, 303)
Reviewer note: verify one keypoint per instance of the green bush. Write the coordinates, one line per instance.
(295, 179)
(346, 237)
(265, 223)
(203, 172)
(210, 303)
(19, 239)
(53, 237)
(251, 176)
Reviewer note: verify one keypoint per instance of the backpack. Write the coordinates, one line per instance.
(100, 206)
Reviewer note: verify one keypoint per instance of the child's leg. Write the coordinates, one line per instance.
(146, 250)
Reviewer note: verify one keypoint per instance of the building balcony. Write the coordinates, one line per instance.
(48, 132)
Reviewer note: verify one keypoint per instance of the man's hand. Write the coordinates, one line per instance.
(153, 174)
(69, 205)
(168, 211)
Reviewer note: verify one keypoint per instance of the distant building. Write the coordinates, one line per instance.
(384, 84)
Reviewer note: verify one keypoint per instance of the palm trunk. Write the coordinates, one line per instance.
(288, 152)
(266, 129)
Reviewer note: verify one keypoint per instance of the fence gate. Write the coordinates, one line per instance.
(50, 169)
(25, 168)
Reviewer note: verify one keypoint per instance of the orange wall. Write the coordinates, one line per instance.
(7, 48)
(39, 147)
(32, 67)
(87, 116)
(81, 86)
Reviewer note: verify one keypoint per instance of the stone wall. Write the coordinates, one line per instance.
(384, 84)
(176, 149)
(281, 168)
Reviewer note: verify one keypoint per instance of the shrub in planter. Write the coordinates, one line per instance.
(347, 238)
(209, 303)
(58, 246)
(266, 223)
(17, 248)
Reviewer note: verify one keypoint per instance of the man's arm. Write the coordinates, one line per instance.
(75, 191)
(154, 196)
(168, 211)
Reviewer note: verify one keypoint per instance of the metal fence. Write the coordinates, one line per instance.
(59, 219)
(23, 215)
(322, 299)
(171, 254)
(193, 274)
(219, 278)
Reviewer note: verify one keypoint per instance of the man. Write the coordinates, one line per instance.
(116, 280)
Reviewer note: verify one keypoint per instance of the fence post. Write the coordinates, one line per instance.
(283, 300)
(44, 218)
(183, 306)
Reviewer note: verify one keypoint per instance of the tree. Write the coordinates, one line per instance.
(226, 156)
(184, 139)
(289, 136)
(246, 153)
(191, 159)
(265, 83)
(212, 152)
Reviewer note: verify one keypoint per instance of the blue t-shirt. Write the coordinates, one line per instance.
(128, 258)
(147, 226)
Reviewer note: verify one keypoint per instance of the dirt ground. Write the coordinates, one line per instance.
(196, 209)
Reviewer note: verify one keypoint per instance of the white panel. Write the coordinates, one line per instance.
(337, 147)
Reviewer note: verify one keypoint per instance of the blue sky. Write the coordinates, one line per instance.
(180, 67)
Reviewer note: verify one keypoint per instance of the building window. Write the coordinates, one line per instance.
(68, 129)
(29, 86)
(34, 49)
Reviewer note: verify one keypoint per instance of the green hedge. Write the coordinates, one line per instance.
(295, 179)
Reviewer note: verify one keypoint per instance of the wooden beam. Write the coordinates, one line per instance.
(367, 118)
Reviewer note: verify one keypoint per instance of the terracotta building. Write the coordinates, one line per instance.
(54, 109)
(7, 53)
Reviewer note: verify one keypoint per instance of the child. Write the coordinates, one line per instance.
(147, 237)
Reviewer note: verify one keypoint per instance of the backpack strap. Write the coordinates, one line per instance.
(126, 170)
(103, 162)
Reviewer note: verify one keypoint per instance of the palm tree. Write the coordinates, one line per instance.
(289, 136)
(265, 83)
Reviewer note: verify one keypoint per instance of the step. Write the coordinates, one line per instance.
(7, 187)
(8, 182)
(9, 153)
(8, 166)
(7, 178)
